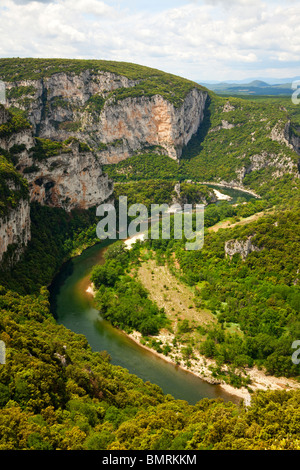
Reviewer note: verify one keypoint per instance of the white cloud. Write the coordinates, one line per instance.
(208, 39)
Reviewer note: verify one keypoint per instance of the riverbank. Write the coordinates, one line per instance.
(231, 186)
(200, 366)
(195, 364)
(220, 196)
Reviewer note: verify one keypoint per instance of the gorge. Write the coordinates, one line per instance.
(76, 133)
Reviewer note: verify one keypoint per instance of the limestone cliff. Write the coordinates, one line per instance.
(67, 177)
(14, 233)
(72, 179)
(88, 106)
(80, 119)
(14, 196)
(241, 247)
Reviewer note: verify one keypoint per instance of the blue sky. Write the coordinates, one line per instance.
(198, 39)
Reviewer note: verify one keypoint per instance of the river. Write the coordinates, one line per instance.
(73, 307)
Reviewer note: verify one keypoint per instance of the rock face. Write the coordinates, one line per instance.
(282, 163)
(241, 247)
(15, 219)
(69, 180)
(142, 122)
(15, 233)
(83, 106)
(224, 125)
(293, 137)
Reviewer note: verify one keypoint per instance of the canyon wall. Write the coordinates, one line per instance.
(14, 199)
(95, 125)
(14, 233)
(85, 106)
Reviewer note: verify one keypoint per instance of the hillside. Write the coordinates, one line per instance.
(121, 110)
(56, 394)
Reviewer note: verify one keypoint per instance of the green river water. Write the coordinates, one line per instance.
(73, 307)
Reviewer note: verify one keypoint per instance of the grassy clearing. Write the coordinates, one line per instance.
(177, 299)
(228, 223)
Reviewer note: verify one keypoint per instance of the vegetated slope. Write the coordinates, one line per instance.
(248, 277)
(238, 141)
(150, 81)
(158, 191)
(55, 236)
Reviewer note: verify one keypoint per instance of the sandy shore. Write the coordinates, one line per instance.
(232, 186)
(221, 196)
(199, 366)
(130, 241)
(91, 290)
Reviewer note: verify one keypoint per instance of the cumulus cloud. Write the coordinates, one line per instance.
(196, 39)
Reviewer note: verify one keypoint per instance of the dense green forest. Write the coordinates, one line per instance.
(121, 299)
(157, 191)
(259, 296)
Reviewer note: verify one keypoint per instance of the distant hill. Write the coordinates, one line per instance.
(254, 87)
(258, 83)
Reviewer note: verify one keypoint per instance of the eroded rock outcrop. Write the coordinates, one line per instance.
(69, 180)
(281, 164)
(14, 202)
(14, 233)
(241, 247)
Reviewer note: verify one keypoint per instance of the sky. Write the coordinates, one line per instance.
(202, 40)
